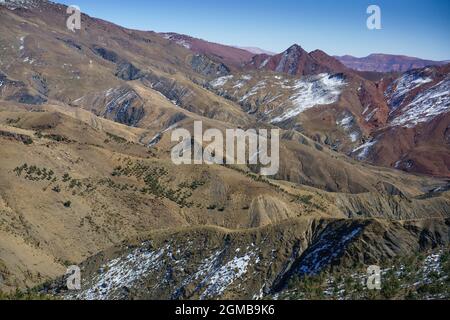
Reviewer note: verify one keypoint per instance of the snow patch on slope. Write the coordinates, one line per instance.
(265, 62)
(329, 247)
(398, 91)
(219, 279)
(122, 272)
(259, 86)
(348, 124)
(363, 150)
(211, 277)
(177, 40)
(220, 82)
(310, 92)
(426, 105)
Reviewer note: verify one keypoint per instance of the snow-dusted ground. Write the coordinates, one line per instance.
(22, 43)
(329, 247)
(300, 95)
(370, 115)
(265, 62)
(354, 136)
(218, 279)
(213, 276)
(426, 106)
(399, 90)
(310, 92)
(362, 152)
(180, 268)
(220, 82)
(348, 124)
(210, 277)
(122, 272)
(22, 52)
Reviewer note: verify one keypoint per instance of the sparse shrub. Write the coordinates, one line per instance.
(74, 183)
(116, 139)
(305, 199)
(12, 122)
(58, 138)
(27, 140)
(391, 287)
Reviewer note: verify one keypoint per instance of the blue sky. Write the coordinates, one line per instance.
(418, 28)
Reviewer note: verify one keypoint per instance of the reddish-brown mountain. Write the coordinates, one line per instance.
(231, 56)
(294, 61)
(386, 63)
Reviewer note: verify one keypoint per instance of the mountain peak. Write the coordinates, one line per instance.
(295, 47)
(296, 61)
(319, 53)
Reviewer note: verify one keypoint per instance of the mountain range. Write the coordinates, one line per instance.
(387, 63)
(382, 63)
(86, 176)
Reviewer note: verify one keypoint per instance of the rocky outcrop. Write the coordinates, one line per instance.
(106, 54)
(71, 43)
(169, 88)
(18, 91)
(216, 264)
(39, 83)
(122, 105)
(125, 70)
(128, 72)
(205, 66)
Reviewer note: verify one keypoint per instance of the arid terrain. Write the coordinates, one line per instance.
(86, 176)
